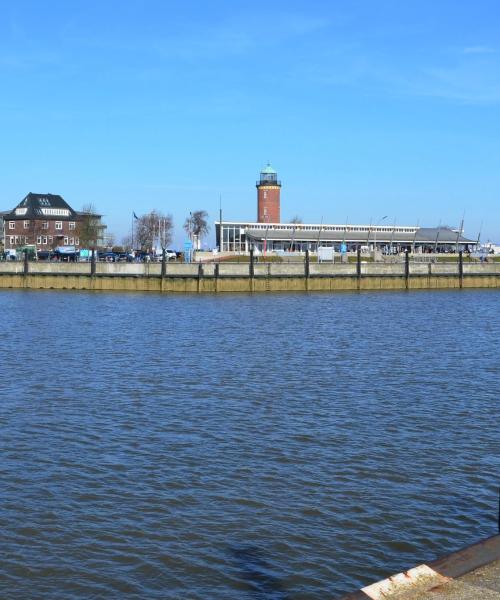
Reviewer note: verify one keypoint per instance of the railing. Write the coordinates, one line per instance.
(266, 182)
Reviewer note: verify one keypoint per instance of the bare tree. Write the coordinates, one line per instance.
(296, 220)
(127, 242)
(153, 228)
(110, 240)
(35, 231)
(20, 241)
(89, 228)
(196, 226)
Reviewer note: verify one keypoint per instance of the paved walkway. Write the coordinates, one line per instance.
(481, 584)
(472, 573)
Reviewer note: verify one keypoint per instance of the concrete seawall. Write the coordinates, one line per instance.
(266, 277)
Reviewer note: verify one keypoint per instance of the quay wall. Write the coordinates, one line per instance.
(267, 277)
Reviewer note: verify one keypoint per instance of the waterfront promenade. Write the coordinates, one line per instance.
(469, 574)
(249, 277)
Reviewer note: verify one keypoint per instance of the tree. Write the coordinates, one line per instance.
(110, 240)
(89, 228)
(127, 242)
(197, 227)
(296, 220)
(35, 230)
(154, 228)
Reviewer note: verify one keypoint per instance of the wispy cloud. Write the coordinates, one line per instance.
(27, 59)
(479, 50)
(471, 77)
(469, 82)
(234, 37)
(185, 188)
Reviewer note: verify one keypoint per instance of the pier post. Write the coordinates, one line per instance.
(307, 270)
(216, 277)
(358, 262)
(92, 264)
(200, 276)
(26, 264)
(251, 270)
(407, 268)
(163, 263)
(461, 268)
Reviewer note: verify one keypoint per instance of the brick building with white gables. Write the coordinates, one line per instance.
(45, 221)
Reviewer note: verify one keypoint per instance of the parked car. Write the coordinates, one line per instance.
(108, 257)
(169, 255)
(125, 257)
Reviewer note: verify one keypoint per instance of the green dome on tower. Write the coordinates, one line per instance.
(268, 170)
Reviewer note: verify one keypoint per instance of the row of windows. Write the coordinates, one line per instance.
(45, 225)
(301, 227)
(18, 239)
(42, 240)
(56, 212)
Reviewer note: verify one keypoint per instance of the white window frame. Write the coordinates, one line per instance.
(45, 224)
(72, 225)
(12, 224)
(26, 224)
(58, 225)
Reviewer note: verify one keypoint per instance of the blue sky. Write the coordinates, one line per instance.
(366, 108)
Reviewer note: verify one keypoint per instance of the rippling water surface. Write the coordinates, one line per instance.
(268, 447)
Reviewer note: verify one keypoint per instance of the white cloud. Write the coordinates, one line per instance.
(479, 50)
(472, 78)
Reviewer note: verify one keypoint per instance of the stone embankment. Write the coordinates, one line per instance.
(248, 277)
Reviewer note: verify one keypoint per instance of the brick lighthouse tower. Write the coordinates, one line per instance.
(268, 196)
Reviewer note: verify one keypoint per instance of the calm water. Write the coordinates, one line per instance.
(253, 447)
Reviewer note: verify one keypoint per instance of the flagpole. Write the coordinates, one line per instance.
(132, 231)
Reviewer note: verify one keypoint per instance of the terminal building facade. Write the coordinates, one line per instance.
(268, 234)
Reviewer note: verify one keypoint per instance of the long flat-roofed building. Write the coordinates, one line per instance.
(266, 236)
(240, 237)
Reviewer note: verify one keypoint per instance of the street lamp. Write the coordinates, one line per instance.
(375, 238)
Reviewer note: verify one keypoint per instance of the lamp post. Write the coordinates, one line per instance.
(375, 238)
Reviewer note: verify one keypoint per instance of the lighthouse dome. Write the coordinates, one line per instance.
(268, 170)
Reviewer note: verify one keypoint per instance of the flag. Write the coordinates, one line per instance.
(135, 216)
